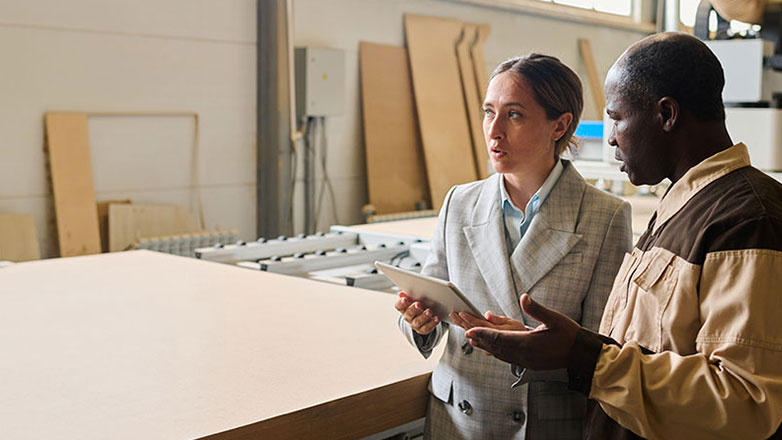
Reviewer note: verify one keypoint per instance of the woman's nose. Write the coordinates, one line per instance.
(494, 129)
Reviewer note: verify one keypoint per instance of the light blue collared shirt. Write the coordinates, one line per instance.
(517, 221)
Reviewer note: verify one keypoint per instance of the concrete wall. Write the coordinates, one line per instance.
(343, 23)
(132, 55)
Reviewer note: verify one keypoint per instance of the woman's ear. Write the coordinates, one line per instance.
(561, 124)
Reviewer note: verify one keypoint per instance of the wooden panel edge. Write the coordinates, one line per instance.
(351, 417)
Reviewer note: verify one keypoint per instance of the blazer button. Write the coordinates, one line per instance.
(518, 416)
(465, 407)
(467, 347)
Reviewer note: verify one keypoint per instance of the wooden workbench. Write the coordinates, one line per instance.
(146, 345)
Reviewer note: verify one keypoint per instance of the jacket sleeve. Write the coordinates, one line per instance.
(436, 266)
(617, 242)
(731, 387)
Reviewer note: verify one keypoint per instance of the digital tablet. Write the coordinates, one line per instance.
(440, 296)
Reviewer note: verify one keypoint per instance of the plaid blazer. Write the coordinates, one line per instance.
(567, 260)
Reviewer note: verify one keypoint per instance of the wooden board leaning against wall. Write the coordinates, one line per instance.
(18, 238)
(396, 175)
(442, 116)
(473, 88)
(74, 194)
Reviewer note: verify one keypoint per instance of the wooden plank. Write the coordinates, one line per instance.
(352, 417)
(595, 83)
(472, 99)
(103, 221)
(74, 194)
(129, 223)
(442, 117)
(479, 60)
(18, 238)
(396, 175)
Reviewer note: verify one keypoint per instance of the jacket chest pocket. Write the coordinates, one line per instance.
(653, 285)
(618, 297)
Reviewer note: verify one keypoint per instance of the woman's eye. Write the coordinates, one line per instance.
(514, 114)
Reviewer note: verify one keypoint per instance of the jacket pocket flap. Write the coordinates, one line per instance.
(442, 385)
(654, 270)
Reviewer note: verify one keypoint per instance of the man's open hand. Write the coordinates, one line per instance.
(544, 348)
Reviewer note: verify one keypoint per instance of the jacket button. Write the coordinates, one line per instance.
(465, 407)
(518, 416)
(467, 347)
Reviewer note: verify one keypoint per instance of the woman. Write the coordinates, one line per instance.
(534, 227)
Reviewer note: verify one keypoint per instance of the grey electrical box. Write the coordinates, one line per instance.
(320, 81)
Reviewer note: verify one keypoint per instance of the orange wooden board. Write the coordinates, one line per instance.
(442, 117)
(18, 238)
(103, 221)
(595, 83)
(472, 99)
(74, 194)
(479, 61)
(396, 175)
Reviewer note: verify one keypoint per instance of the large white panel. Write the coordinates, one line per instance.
(232, 20)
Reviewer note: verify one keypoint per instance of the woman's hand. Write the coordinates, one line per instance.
(421, 320)
(467, 321)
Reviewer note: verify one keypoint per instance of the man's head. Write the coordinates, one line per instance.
(658, 89)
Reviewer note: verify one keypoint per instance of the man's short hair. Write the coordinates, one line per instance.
(678, 66)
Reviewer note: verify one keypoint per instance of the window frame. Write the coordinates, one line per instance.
(640, 19)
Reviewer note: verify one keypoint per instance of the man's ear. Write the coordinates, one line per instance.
(669, 113)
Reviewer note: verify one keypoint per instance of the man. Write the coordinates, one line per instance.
(693, 325)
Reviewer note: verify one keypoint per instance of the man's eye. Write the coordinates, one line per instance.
(487, 112)
(514, 114)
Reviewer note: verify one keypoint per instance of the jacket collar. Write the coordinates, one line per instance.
(697, 178)
(548, 239)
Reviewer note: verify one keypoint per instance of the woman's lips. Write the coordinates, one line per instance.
(496, 153)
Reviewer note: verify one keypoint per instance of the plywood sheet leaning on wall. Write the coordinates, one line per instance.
(479, 61)
(103, 220)
(129, 223)
(472, 99)
(396, 175)
(437, 87)
(18, 238)
(72, 185)
(595, 83)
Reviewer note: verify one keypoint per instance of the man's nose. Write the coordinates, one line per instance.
(612, 137)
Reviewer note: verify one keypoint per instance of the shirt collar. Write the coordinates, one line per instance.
(696, 178)
(540, 195)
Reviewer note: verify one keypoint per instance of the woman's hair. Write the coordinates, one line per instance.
(556, 87)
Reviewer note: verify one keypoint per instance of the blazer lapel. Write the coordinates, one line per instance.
(552, 232)
(486, 238)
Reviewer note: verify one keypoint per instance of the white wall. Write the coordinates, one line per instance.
(343, 23)
(199, 55)
(132, 55)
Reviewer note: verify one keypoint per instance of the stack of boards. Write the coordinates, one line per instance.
(85, 226)
(422, 113)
